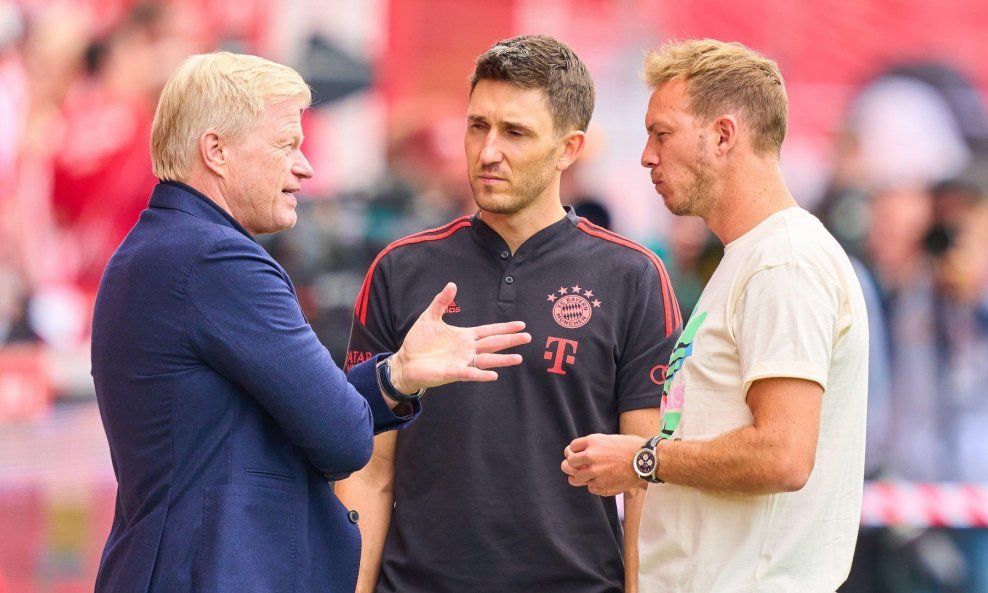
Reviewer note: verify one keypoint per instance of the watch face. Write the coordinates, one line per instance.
(645, 462)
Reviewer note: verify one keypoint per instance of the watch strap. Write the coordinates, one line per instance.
(651, 446)
(388, 388)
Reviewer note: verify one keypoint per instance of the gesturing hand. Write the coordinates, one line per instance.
(434, 353)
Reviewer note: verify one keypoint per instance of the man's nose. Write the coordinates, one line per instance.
(650, 158)
(491, 152)
(302, 168)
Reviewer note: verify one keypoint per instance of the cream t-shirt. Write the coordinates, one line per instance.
(784, 302)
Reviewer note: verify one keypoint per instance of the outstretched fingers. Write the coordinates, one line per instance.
(471, 373)
(498, 329)
(496, 343)
(493, 361)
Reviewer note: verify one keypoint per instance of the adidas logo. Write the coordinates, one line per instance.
(453, 308)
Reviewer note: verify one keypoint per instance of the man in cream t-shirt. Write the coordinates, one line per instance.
(754, 479)
(784, 302)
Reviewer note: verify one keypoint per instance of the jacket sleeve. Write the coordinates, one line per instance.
(245, 322)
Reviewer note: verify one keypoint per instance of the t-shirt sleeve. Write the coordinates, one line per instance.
(785, 322)
(372, 329)
(653, 328)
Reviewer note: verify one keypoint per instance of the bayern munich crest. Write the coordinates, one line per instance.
(573, 306)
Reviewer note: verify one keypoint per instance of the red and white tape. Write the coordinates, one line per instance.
(911, 504)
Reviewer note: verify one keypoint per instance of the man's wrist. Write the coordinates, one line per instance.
(646, 461)
(397, 375)
(385, 381)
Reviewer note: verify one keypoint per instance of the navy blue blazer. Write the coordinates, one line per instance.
(224, 413)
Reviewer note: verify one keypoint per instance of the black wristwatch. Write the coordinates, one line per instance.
(384, 382)
(646, 462)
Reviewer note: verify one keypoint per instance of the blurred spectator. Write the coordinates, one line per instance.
(102, 171)
(963, 297)
(424, 185)
(13, 87)
(13, 108)
(889, 204)
(905, 272)
(22, 211)
(929, 250)
(953, 200)
(965, 268)
(877, 147)
(54, 41)
(14, 326)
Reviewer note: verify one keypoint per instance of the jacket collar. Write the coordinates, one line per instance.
(175, 195)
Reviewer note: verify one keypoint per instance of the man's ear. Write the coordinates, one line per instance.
(725, 128)
(573, 144)
(212, 152)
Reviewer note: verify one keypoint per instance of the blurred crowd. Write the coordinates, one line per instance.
(908, 199)
(906, 196)
(77, 95)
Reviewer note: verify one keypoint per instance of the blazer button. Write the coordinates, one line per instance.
(353, 516)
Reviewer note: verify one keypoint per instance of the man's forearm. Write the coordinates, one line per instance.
(742, 462)
(639, 424)
(633, 503)
(374, 505)
(370, 492)
(775, 453)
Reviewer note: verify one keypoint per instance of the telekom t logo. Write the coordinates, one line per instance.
(556, 351)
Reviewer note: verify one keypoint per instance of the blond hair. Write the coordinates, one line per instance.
(223, 92)
(723, 77)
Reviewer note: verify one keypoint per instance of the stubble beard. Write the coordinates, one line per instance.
(526, 192)
(697, 195)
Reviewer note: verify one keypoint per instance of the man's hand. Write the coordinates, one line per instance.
(434, 353)
(602, 463)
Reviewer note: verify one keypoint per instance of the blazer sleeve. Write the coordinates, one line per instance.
(245, 322)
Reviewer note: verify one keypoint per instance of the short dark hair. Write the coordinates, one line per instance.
(542, 62)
